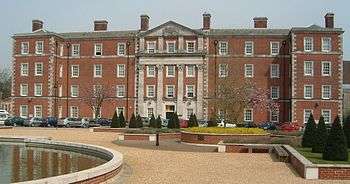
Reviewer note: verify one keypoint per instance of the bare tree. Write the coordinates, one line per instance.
(95, 95)
(5, 82)
(235, 94)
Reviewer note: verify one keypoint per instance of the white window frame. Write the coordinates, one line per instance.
(24, 51)
(277, 88)
(168, 48)
(193, 91)
(95, 71)
(306, 72)
(311, 44)
(36, 113)
(22, 91)
(245, 115)
(312, 92)
(223, 72)
(37, 51)
(153, 87)
(73, 93)
(75, 73)
(37, 73)
(149, 74)
(149, 43)
(167, 71)
(324, 44)
(272, 116)
(120, 89)
(121, 71)
(323, 92)
(75, 50)
(194, 46)
(330, 115)
(167, 91)
(120, 51)
(272, 49)
(223, 50)
(272, 72)
(305, 119)
(21, 111)
(73, 114)
(188, 74)
(246, 48)
(38, 89)
(95, 49)
(323, 68)
(24, 71)
(246, 71)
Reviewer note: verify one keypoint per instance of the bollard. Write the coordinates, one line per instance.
(157, 139)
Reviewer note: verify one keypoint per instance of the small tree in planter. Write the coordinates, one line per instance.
(176, 120)
(139, 121)
(192, 122)
(115, 121)
(152, 122)
(133, 122)
(122, 120)
(309, 133)
(320, 137)
(158, 122)
(171, 123)
(336, 146)
(346, 128)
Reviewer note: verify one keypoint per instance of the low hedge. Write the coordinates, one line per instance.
(221, 130)
(151, 131)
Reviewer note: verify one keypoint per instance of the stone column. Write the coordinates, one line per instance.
(181, 43)
(142, 44)
(200, 44)
(180, 89)
(199, 91)
(140, 96)
(160, 44)
(159, 109)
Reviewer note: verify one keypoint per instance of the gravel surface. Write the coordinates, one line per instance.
(160, 166)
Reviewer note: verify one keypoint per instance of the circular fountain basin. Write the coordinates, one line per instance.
(41, 160)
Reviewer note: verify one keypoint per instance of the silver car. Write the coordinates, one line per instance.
(73, 122)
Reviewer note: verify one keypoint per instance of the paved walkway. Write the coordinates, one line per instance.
(158, 166)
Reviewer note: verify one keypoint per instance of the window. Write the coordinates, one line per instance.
(275, 92)
(75, 50)
(120, 90)
(249, 48)
(121, 49)
(98, 49)
(308, 68)
(189, 91)
(60, 91)
(171, 48)
(274, 48)
(24, 69)
(223, 70)
(223, 48)
(23, 111)
(97, 70)
(120, 110)
(170, 71)
(120, 70)
(275, 70)
(149, 112)
(38, 89)
(39, 47)
(170, 91)
(74, 90)
(248, 115)
(308, 44)
(38, 111)
(24, 89)
(248, 70)
(151, 91)
(308, 91)
(25, 48)
(307, 113)
(151, 71)
(189, 113)
(190, 46)
(75, 71)
(151, 47)
(326, 44)
(61, 71)
(326, 113)
(190, 71)
(326, 91)
(326, 68)
(38, 69)
(274, 116)
(74, 112)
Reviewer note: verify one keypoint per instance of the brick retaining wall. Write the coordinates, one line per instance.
(334, 173)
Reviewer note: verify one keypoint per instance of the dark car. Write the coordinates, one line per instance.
(268, 126)
(52, 121)
(249, 124)
(36, 121)
(14, 121)
(101, 121)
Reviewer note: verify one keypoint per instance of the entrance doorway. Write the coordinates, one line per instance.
(169, 110)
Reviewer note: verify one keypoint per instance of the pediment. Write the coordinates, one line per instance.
(171, 29)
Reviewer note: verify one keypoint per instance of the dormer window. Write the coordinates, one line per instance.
(190, 46)
(98, 49)
(151, 47)
(171, 47)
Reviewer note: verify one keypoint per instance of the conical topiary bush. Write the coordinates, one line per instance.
(132, 122)
(139, 121)
(346, 128)
(158, 122)
(320, 137)
(336, 146)
(122, 120)
(115, 121)
(152, 122)
(309, 133)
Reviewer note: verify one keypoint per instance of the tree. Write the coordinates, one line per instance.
(195, 120)
(115, 121)
(139, 121)
(176, 120)
(233, 95)
(152, 122)
(95, 95)
(159, 122)
(336, 146)
(171, 123)
(320, 137)
(132, 122)
(309, 133)
(121, 119)
(346, 128)
(5, 82)
(192, 122)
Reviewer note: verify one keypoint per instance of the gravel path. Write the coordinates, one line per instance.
(158, 166)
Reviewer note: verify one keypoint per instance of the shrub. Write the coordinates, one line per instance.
(115, 121)
(346, 128)
(122, 120)
(320, 137)
(152, 122)
(139, 121)
(192, 122)
(212, 122)
(158, 122)
(171, 121)
(336, 146)
(309, 133)
(132, 122)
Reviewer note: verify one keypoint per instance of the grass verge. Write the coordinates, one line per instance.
(221, 130)
(316, 158)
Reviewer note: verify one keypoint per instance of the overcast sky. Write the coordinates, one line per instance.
(78, 15)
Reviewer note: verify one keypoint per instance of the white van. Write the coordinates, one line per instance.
(3, 116)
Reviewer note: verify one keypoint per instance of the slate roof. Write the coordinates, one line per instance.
(317, 28)
(78, 35)
(248, 32)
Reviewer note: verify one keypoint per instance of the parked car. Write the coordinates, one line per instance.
(268, 126)
(35, 122)
(74, 122)
(249, 124)
(289, 127)
(100, 122)
(52, 121)
(14, 121)
(3, 116)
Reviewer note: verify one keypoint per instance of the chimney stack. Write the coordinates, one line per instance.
(144, 23)
(260, 22)
(37, 25)
(206, 21)
(100, 25)
(329, 20)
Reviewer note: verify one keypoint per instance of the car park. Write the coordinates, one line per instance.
(35, 122)
(73, 122)
(52, 121)
(100, 122)
(14, 121)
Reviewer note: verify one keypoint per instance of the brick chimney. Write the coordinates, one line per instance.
(100, 25)
(260, 22)
(206, 21)
(37, 25)
(329, 20)
(144, 23)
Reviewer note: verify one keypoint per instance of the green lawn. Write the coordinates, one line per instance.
(221, 130)
(316, 158)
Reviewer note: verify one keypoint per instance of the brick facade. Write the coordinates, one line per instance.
(172, 45)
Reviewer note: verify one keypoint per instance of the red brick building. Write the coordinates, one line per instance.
(175, 68)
